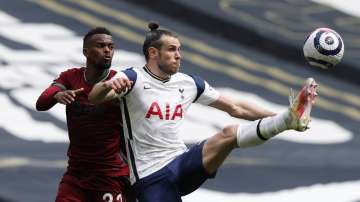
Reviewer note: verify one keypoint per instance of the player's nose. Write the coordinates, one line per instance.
(177, 55)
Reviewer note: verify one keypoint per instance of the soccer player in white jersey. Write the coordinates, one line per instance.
(155, 99)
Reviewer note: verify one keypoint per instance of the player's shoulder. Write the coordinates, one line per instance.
(73, 71)
(126, 69)
(189, 78)
(130, 72)
(118, 72)
(180, 76)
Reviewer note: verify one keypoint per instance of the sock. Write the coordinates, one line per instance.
(258, 132)
(246, 135)
(271, 126)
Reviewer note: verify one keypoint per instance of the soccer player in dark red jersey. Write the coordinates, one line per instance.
(96, 171)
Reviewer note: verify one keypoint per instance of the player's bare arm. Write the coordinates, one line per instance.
(241, 109)
(109, 90)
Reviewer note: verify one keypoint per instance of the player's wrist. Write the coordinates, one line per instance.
(106, 85)
(57, 93)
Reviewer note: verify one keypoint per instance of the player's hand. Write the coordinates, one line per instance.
(119, 85)
(67, 96)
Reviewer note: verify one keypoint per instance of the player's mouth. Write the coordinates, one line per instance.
(107, 59)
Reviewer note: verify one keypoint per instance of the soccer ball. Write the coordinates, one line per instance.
(323, 48)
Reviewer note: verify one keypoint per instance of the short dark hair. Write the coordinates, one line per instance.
(152, 38)
(96, 30)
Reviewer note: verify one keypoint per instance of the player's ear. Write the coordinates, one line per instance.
(85, 52)
(153, 52)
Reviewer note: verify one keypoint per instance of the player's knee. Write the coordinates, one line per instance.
(229, 131)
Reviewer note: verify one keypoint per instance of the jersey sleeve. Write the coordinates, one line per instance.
(209, 95)
(130, 74)
(46, 99)
(205, 94)
(62, 81)
(127, 73)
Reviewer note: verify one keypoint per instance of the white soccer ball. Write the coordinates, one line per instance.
(323, 48)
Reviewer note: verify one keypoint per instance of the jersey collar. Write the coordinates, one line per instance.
(101, 78)
(147, 70)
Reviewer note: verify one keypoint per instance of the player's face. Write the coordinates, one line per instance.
(169, 55)
(100, 51)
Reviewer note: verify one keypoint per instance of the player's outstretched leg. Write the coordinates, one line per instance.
(297, 117)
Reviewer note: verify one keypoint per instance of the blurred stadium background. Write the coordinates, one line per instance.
(248, 49)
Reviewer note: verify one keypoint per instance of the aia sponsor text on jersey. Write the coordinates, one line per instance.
(167, 112)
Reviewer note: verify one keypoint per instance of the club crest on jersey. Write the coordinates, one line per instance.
(171, 112)
(181, 90)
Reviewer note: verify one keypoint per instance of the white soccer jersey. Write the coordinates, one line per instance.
(153, 111)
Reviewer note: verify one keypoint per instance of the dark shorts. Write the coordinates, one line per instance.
(70, 190)
(180, 177)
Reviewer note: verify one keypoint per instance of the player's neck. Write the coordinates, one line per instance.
(93, 75)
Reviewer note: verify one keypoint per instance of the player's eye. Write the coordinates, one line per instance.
(172, 48)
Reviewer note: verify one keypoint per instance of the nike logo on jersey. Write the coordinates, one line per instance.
(146, 86)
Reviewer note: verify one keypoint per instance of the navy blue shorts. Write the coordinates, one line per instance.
(180, 177)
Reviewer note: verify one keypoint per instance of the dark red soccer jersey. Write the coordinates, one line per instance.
(94, 130)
